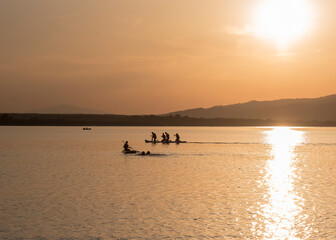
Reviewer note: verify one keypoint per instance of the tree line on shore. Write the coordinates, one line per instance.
(29, 119)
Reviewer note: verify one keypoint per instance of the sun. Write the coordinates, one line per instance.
(283, 21)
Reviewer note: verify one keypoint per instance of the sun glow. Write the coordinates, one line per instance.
(283, 21)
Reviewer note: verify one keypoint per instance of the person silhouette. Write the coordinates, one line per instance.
(153, 137)
(167, 137)
(126, 146)
(163, 137)
(177, 138)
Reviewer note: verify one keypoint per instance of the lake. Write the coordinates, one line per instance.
(225, 183)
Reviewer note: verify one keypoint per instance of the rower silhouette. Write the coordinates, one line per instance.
(163, 137)
(167, 137)
(126, 146)
(177, 140)
(153, 137)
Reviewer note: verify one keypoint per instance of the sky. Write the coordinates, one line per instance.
(152, 57)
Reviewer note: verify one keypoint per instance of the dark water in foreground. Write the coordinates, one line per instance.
(229, 183)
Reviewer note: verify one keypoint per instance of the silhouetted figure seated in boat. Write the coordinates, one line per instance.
(167, 137)
(177, 140)
(126, 147)
(163, 137)
(153, 137)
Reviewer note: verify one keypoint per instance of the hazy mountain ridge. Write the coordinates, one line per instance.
(66, 109)
(321, 109)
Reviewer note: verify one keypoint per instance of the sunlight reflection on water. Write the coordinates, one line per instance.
(258, 183)
(281, 213)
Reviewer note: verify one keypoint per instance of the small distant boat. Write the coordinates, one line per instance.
(86, 128)
(150, 141)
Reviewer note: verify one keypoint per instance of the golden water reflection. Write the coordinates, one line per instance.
(281, 212)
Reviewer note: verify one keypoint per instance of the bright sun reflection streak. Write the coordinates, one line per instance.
(283, 21)
(282, 211)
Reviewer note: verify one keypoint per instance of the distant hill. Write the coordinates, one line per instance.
(66, 109)
(306, 109)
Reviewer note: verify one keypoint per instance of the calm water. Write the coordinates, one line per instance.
(228, 183)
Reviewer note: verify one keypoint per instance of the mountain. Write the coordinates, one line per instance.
(307, 109)
(66, 109)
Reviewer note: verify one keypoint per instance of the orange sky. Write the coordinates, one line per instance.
(150, 56)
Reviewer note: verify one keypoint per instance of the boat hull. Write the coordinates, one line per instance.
(129, 152)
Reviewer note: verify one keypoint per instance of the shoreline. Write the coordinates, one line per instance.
(32, 119)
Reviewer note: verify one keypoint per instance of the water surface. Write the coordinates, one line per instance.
(227, 183)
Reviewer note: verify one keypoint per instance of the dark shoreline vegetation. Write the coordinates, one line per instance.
(29, 119)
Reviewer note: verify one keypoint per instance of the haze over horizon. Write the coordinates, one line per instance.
(71, 109)
(153, 57)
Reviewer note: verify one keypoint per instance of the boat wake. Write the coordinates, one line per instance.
(227, 143)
